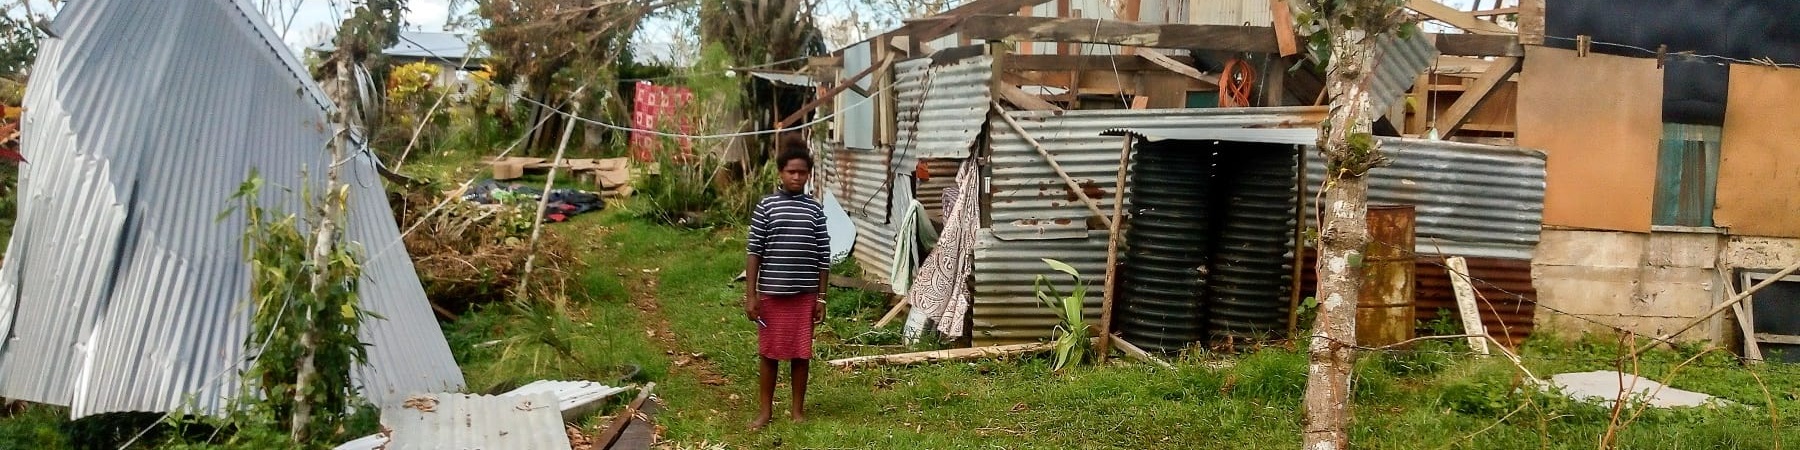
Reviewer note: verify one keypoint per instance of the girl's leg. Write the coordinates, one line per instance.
(799, 369)
(765, 384)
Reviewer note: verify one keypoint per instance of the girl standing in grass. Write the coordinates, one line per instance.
(785, 276)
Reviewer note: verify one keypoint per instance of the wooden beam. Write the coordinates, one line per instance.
(1502, 69)
(1098, 31)
(1496, 12)
(1478, 45)
(1465, 303)
(924, 31)
(1229, 38)
(1456, 17)
(1028, 63)
(1285, 38)
(880, 66)
(943, 355)
(1531, 22)
(1178, 67)
(1025, 100)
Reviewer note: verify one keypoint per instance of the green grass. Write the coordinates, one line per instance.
(1428, 398)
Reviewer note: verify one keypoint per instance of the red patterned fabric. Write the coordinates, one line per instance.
(787, 329)
(656, 108)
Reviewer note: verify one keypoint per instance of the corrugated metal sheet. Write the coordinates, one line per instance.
(909, 96)
(790, 79)
(931, 190)
(571, 397)
(1473, 200)
(857, 123)
(429, 45)
(955, 100)
(864, 184)
(1031, 202)
(1006, 311)
(446, 421)
(137, 138)
(1398, 63)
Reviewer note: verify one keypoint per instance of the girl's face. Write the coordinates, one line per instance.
(795, 174)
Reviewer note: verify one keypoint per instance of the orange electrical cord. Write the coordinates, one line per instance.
(1234, 84)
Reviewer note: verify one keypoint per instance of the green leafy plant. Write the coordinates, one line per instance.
(297, 318)
(1072, 344)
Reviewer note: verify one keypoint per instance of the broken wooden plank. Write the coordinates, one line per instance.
(1024, 100)
(1456, 17)
(1285, 39)
(1746, 322)
(1178, 67)
(1778, 339)
(619, 423)
(640, 434)
(893, 313)
(1099, 31)
(1502, 69)
(1465, 303)
(944, 355)
(1139, 353)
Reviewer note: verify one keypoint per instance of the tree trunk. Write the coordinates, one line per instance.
(1350, 151)
(324, 240)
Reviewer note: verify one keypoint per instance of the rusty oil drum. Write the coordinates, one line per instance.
(1385, 310)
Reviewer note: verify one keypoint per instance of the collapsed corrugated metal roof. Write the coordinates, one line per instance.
(790, 79)
(446, 421)
(122, 289)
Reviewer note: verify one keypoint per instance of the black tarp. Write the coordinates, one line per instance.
(1694, 88)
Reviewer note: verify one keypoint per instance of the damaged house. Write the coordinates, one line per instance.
(974, 143)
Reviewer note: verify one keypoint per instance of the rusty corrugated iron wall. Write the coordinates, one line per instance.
(1503, 287)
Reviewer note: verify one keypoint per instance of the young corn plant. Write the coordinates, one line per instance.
(1071, 336)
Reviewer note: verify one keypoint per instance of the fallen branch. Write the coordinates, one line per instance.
(1138, 353)
(943, 355)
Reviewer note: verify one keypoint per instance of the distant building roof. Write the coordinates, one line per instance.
(428, 45)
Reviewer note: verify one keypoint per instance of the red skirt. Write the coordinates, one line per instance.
(787, 330)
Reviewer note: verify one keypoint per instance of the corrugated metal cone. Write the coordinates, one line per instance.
(1164, 292)
(1252, 264)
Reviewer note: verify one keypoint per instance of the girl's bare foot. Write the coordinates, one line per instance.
(759, 423)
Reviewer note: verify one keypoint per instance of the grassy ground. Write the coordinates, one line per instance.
(663, 299)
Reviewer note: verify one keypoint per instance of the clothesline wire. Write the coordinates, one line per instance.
(1754, 61)
(611, 126)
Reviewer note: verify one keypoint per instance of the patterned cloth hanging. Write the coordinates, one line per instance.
(940, 291)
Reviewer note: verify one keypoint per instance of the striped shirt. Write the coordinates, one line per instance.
(788, 232)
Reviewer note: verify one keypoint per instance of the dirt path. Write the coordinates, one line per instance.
(684, 361)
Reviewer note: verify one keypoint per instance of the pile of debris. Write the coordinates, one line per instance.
(472, 252)
(610, 176)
